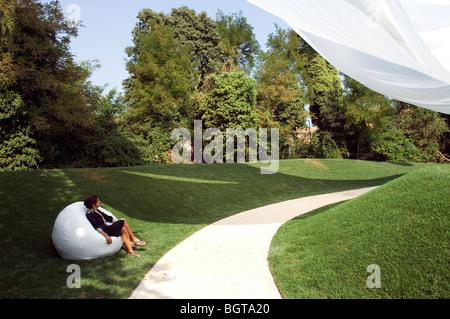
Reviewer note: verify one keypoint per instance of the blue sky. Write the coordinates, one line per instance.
(108, 25)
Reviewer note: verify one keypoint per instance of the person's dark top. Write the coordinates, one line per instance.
(99, 219)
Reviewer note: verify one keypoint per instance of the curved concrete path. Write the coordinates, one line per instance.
(228, 259)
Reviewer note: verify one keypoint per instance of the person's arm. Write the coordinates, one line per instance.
(108, 239)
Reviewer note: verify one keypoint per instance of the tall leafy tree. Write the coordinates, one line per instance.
(281, 96)
(37, 95)
(6, 19)
(159, 85)
(375, 129)
(196, 32)
(159, 88)
(199, 33)
(445, 155)
(17, 146)
(425, 129)
(366, 112)
(172, 56)
(230, 102)
(50, 113)
(239, 42)
(106, 143)
(324, 92)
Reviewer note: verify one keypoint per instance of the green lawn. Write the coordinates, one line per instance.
(403, 227)
(164, 204)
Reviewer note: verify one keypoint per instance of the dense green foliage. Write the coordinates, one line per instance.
(281, 99)
(240, 47)
(229, 102)
(185, 66)
(158, 92)
(51, 115)
(402, 227)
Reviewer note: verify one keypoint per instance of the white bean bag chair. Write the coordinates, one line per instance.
(76, 239)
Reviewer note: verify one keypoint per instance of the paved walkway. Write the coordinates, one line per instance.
(228, 259)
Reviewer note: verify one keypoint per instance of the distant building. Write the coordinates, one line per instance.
(305, 134)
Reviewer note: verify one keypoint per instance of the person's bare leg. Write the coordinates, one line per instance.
(126, 240)
(130, 233)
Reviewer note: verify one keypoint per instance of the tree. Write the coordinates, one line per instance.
(159, 88)
(17, 146)
(51, 115)
(6, 20)
(36, 97)
(238, 40)
(425, 129)
(159, 85)
(106, 144)
(281, 97)
(445, 156)
(389, 143)
(199, 33)
(229, 102)
(324, 92)
(365, 112)
(196, 32)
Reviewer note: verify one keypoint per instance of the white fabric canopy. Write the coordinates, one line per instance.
(399, 48)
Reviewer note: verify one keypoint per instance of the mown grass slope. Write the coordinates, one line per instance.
(402, 227)
(164, 204)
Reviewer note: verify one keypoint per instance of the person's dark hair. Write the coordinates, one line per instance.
(89, 201)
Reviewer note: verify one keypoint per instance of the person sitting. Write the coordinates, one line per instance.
(109, 226)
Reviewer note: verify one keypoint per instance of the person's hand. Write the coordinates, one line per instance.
(108, 240)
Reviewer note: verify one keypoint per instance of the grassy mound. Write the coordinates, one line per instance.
(402, 227)
(164, 204)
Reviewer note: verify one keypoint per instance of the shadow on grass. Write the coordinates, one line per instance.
(203, 194)
(318, 211)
